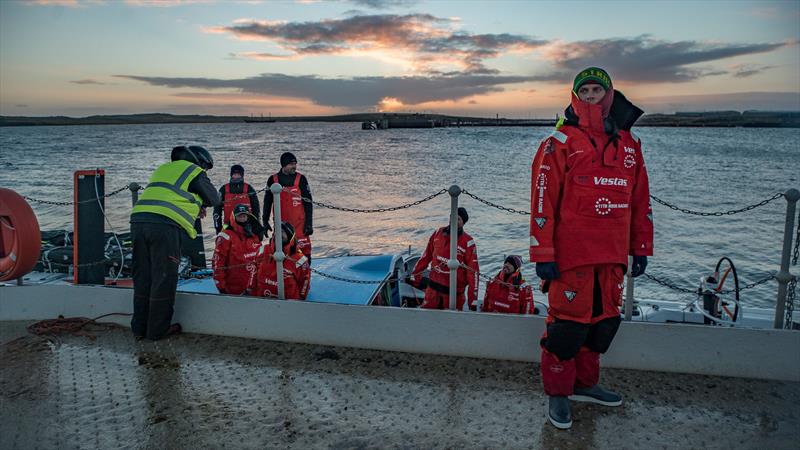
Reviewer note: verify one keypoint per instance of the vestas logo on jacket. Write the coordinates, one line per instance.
(603, 206)
(604, 181)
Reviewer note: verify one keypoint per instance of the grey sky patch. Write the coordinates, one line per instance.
(643, 59)
(87, 81)
(384, 4)
(429, 40)
(748, 70)
(355, 92)
(21, 105)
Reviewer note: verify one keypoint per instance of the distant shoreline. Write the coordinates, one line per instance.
(722, 119)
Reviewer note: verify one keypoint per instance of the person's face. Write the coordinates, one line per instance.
(236, 177)
(241, 218)
(591, 93)
(460, 222)
(290, 168)
(508, 268)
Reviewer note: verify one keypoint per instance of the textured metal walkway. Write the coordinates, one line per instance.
(194, 391)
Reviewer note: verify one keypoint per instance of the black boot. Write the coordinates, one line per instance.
(559, 412)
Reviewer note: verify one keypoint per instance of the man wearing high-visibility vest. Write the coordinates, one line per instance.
(176, 195)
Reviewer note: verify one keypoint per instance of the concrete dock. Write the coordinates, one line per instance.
(196, 391)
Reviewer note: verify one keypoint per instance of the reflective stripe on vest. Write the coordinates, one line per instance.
(167, 194)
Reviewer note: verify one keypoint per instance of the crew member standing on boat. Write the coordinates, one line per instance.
(235, 251)
(176, 195)
(232, 193)
(437, 253)
(508, 292)
(296, 269)
(296, 206)
(590, 210)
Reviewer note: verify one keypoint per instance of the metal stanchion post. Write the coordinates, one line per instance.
(452, 263)
(134, 187)
(277, 236)
(783, 276)
(629, 291)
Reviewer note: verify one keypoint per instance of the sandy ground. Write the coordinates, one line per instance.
(194, 391)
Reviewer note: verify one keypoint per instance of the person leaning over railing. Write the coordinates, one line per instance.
(296, 268)
(508, 292)
(436, 254)
(235, 251)
(176, 195)
(590, 209)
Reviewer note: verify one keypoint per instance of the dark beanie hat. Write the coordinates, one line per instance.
(287, 158)
(515, 261)
(241, 208)
(592, 74)
(236, 168)
(462, 212)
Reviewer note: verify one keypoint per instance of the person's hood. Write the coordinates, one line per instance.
(615, 112)
(249, 228)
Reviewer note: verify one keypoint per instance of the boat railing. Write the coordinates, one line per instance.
(787, 282)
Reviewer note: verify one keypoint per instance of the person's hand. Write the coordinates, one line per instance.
(267, 227)
(308, 230)
(639, 265)
(473, 307)
(202, 214)
(547, 270)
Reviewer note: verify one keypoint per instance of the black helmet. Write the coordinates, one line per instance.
(194, 154)
(289, 230)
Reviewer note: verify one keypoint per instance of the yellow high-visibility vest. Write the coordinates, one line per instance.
(167, 194)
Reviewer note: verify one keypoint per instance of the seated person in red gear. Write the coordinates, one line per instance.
(296, 269)
(508, 292)
(437, 253)
(234, 261)
(590, 211)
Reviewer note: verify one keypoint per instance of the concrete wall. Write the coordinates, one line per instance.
(737, 352)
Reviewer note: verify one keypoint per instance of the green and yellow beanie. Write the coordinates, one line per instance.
(594, 74)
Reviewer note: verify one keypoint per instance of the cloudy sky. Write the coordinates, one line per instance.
(513, 58)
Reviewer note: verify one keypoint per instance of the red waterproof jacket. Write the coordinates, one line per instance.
(502, 298)
(293, 212)
(437, 253)
(589, 195)
(230, 200)
(296, 273)
(234, 261)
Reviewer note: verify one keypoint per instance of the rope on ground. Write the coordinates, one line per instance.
(76, 326)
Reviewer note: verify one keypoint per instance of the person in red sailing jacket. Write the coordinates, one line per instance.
(234, 261)
(437, 253)
(508, 292)
(296, 206)
(590, 210)
(296, 269)
(233, 193)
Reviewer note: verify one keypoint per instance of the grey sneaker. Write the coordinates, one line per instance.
(559, 413)
(596, 394)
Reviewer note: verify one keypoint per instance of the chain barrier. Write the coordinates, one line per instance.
(368, 211)
(495, 205)
(788, 322)
(717, 213)
(675, 287)
(48, 202)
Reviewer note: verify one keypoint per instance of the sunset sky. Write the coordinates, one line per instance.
(513, 58)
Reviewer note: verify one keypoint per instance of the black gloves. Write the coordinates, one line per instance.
(547, 270)
(639, 264)
(267, 226)
(308, 230)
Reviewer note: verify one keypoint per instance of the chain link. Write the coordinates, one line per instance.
(675, 287)
(48, 202)
(788, 322)
(717, 213)
(495, 205)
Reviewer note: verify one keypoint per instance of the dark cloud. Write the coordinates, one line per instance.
(748, 70)
(428, 40)
(646, 60)
(384, 4)
(20, 105)
(356, 92)
(86, 81)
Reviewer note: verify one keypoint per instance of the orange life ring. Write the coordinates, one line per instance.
(20, 238)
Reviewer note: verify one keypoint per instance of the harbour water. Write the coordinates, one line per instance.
(705, 169)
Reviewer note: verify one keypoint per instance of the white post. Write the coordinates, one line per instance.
(277, 236)
(452, 263)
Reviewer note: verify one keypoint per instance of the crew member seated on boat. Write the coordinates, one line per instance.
(235, 251)
(296, 269)
(176, 195)
(437, 253)
(296, 206)
(232, 193)
(590, 210)
(508, 292)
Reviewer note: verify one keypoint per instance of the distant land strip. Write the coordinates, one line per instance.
(756, 119)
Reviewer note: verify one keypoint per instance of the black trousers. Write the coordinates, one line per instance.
(156, 255)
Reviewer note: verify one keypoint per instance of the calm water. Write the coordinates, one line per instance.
(703, 169)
